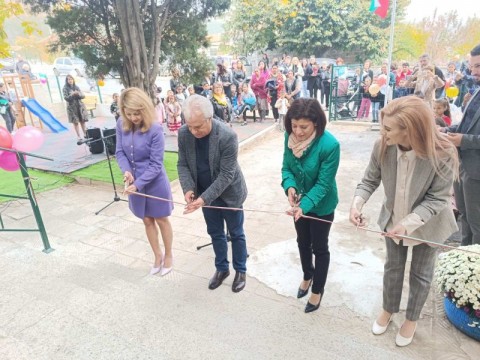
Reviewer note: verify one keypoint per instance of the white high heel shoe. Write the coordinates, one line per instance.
(156, 270)
(403, 341)
(378, 329)
(164, 271)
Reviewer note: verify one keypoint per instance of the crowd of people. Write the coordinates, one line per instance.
(415, 160)
(275, 84)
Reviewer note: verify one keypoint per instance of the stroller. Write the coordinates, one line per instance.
(342, 100)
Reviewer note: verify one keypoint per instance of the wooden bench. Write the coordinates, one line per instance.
(90, 102)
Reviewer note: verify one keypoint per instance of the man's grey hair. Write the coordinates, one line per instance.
(197, 103)
(425, 56)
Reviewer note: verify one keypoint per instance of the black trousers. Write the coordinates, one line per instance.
(312, 239)
(273, 101)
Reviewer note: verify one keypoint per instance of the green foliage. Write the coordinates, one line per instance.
(307, 27)
(7, 10)
(90, 30)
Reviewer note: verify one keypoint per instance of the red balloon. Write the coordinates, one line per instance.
(6, 139)
(9, 161)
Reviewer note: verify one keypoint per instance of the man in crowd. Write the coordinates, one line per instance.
(466, 136)
(209, 174)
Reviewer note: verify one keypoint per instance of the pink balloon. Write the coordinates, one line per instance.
(382, 79)
(9, 161)
(28, 138)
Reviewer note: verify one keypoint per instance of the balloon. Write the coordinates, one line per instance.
(452, 92)
(5, 138)
(382, 80)
(374, 89)
(9, 161)
(43, 80)
(28, 138)
(101, 82)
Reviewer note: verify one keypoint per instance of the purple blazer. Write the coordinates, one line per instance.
(142, 155)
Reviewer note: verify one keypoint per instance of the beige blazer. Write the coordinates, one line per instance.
(429, 195)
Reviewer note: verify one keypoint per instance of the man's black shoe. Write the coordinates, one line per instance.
(217, 279)
(239, 282)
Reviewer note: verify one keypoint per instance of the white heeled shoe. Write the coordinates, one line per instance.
(403, 341)
(164, 271)
(379, 330)
(156, 270)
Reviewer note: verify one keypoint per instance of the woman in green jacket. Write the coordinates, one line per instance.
(310, 163)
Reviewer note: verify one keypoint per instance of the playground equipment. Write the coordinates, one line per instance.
(31, 197)
(22, 92)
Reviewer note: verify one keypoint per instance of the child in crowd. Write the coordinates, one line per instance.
(441, 108)
(174, 111)
(377, 98)
(207, 92)
(191, 90)
(234, 96)
(282, 106)
(180, 95)
(114, 109)
(364, 110)
(160, 109)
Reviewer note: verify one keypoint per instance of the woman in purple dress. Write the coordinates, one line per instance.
(140, 148)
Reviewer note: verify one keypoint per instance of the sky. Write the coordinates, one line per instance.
(419, 9)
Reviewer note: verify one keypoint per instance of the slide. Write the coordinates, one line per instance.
(44, 115)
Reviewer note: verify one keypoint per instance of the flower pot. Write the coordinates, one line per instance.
(460, 319)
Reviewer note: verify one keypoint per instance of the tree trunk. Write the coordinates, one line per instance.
(135, 61)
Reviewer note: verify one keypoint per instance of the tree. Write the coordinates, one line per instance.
(9, 9)
(309, 27)
(130, 36)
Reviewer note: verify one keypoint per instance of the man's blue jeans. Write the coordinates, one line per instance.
(215, 219)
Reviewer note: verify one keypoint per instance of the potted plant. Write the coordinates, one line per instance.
(458, 277)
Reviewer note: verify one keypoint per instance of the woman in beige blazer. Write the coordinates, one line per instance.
(417, 166)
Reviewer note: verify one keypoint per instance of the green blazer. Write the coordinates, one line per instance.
(313, 174)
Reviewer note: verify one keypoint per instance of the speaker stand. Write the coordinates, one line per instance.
(116, 198)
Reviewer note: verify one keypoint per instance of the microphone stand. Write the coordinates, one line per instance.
(116, 198)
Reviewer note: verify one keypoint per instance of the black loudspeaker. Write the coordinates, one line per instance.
(96, 144)
(111, 140)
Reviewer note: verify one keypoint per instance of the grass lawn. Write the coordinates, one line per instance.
(100, 171)
(11, 182)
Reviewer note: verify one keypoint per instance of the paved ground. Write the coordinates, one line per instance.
(92, 298)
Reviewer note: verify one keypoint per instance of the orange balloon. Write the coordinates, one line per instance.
(101, 82)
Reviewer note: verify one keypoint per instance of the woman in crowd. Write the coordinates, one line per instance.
(175, 80)
(246, 101)
(222, 107)
(305, 92)
(417, 166)
(7, 109)
(225, 77)
(76, 110)
(293, 87)
(140, 149)
(174, 113)
(238, 75)
(310, 162)
(275, 84)
(425, 82)
(297, 68)
(258, 87)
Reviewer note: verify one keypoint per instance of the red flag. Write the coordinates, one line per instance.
(382, 9)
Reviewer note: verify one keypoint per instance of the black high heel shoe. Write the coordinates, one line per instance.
(310, 307)
(301, 293)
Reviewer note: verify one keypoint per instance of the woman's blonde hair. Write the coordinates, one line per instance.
(137, 100)
(417, 119)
